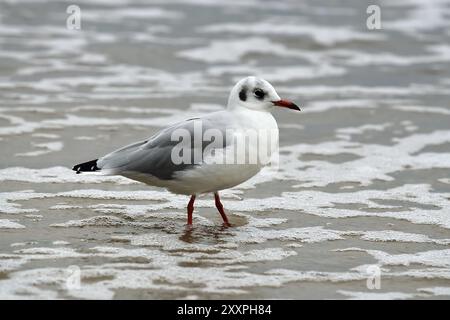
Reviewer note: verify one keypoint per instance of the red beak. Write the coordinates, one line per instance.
(286, 104)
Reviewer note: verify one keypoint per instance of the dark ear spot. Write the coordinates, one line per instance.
(243, 94)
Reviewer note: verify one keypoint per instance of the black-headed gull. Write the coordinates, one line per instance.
(204, 154)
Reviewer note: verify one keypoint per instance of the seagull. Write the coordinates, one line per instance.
(200, 155)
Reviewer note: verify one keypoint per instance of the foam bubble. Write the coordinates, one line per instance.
(436, 291)
(233, 50)
(57, 175)
(398, 236)
(359, 295)
(47, 147)
(326, 36)
(8, 224)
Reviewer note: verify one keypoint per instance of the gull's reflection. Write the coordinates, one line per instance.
(208, 234)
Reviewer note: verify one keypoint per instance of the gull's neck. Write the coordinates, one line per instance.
(251, 118)
(237, 107)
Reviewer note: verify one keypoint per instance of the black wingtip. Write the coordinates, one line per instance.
(86, 166)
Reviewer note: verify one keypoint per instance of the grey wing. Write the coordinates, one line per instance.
(154, 155)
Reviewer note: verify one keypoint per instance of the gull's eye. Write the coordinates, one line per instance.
(259, 93)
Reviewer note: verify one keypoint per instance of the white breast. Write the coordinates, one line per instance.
(256, 139)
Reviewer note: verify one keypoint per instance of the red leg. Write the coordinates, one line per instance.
(190, 210)
(219, 207)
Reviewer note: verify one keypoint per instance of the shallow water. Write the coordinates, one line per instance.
(363, 182)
